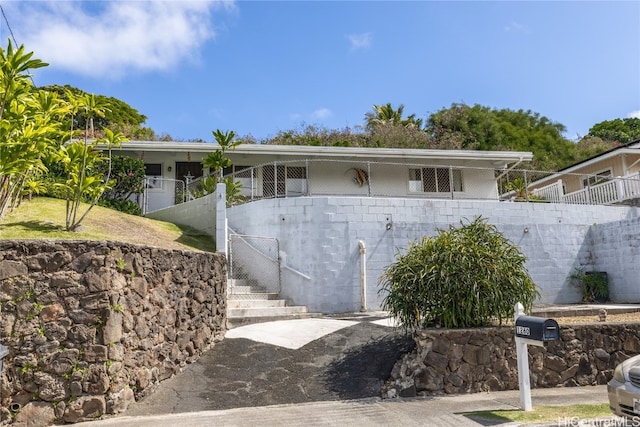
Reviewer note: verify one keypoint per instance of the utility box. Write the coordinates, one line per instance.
(537, 329)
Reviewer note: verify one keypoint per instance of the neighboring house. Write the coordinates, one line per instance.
(609, 178)
(267, 171)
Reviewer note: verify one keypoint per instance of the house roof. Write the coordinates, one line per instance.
(632, 147)
(629, 147)
(294, 152)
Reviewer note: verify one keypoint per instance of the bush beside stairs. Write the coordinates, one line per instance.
(248, 302)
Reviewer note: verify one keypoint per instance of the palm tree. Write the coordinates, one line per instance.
(386, 115)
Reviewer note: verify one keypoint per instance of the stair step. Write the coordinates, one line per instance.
(253, 296)
(247, 290)
(255, 303)
(265, 311)
(242, 282)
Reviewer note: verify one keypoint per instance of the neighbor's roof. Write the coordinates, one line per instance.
(629, 147)
(315, 152)
(632, 147)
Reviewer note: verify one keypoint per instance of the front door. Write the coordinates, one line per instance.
(188, 171)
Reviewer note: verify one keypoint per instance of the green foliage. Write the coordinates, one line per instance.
(617, 130)
(118, 115)
(81, 161)
(593, 284)
(463, 277)
(385, 115)
(216, 162)
(483, 128)
(28, 127)
(127, 174)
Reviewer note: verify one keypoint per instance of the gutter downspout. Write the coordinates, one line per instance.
(363, 276)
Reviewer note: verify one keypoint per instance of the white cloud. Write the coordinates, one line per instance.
(634, 114)
(111, 39)
(516, 26)
(360, 41)
(320, 114)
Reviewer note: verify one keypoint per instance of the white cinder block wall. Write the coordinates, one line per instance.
(319, 238)
(616, 250)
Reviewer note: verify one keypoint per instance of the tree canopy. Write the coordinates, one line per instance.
(618, 130)
(460, 127)
(118, 116)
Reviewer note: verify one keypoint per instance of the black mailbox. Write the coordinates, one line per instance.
(537, 328)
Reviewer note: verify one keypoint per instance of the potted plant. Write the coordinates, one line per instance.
(594, 285)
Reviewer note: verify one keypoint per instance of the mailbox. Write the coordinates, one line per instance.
(537, 329)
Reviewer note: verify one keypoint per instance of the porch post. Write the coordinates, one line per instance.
(451, 186)
(620, 186)
(369, 178)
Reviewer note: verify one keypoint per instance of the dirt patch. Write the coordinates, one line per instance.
(611, 318)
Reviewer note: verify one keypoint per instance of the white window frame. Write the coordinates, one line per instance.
(597, 178)
(417, 185)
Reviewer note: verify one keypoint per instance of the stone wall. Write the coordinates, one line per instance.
(484, 359)
(90, 326)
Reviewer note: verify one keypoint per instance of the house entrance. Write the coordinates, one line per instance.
(254, 264)
(188, 171)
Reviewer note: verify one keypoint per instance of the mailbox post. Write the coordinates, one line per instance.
(536, 331)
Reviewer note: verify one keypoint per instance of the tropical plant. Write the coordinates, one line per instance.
(118, 115)
(384, 115)
(84, 179)
(464, 277)
(128, 179)
(217, 161)
(594, 285)
(27, 126)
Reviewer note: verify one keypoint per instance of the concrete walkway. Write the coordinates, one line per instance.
(325, 371)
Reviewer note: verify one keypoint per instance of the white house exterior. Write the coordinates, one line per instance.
(337, 234)
(284, 171)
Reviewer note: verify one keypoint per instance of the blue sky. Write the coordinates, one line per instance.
(260, 67)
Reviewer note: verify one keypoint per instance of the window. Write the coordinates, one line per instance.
(435, 180)
(236, 171)
(284, 180)
(597, 178)
(245, 175)
(153, 171)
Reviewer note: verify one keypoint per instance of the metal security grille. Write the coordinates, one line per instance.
(254, 264)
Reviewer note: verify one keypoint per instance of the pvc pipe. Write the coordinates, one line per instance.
(363, 276)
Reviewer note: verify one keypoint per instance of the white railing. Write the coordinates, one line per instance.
(616, 190)
(551, 193)
(379, 179)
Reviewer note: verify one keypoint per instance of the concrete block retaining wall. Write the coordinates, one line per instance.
(319, 238)
(616, 250)
(473, 360)
(91, 325)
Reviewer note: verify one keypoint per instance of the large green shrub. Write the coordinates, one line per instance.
(464, 277)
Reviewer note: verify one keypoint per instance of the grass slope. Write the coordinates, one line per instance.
(44, 218)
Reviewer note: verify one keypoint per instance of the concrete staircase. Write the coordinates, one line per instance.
(248, 302)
